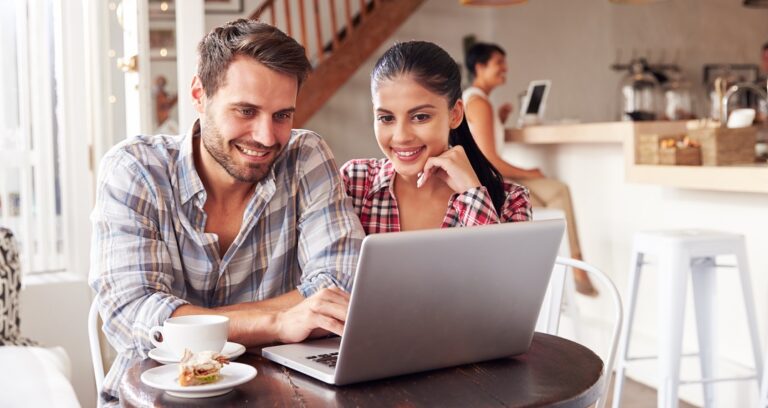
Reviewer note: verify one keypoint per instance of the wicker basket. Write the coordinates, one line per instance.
(647, 147)
(683, 156)
(722, 146)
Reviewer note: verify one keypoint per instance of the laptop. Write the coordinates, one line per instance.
(430, 299)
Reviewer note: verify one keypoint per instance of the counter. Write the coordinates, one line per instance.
(743, 178)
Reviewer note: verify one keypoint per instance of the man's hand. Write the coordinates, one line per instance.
(325, 311)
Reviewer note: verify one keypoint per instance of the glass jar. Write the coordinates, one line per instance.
(678, 100)
(640, 93)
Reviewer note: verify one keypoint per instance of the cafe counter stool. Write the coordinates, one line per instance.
(680, 253)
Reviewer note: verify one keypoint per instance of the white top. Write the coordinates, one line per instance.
(498, 127)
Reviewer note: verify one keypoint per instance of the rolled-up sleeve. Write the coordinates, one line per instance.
(130, 264)
(475, 207)
(330, 233)
(517, 204)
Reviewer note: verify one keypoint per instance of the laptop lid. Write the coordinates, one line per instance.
(438, 298)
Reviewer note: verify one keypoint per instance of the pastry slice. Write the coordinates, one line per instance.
(200, 368)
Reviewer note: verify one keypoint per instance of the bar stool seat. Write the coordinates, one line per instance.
(680, 253)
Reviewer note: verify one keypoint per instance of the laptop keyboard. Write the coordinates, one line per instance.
(326, 359)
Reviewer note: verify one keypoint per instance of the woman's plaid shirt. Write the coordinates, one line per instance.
(370, 184)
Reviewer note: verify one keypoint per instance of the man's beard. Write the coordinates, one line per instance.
(246, 173)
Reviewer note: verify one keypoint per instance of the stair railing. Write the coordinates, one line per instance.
(320, 16)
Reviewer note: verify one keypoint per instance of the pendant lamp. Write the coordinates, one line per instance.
(491, 2)
(635, 1)
(756, 3)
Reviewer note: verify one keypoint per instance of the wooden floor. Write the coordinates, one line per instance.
(638, 395)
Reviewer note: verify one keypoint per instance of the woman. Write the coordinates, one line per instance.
(434, 174)
(487, 64)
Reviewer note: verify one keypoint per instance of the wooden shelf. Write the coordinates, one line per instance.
(748, 179)
(744, 178)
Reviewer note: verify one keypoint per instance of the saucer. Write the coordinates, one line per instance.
(166, 378)
(231, 351)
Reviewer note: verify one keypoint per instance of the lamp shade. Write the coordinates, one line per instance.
(635, 1)
(491, 2)
(756, 3)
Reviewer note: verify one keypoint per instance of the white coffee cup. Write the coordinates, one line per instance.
(196, 333)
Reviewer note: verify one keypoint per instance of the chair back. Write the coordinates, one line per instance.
(607, 289)
(95, 344)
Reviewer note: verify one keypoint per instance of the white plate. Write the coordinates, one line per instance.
(166, 378)
(231, 351)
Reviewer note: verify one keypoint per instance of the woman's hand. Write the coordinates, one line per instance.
(453, 168)
(504, 111)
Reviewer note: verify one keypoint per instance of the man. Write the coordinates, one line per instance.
(241, 217)
(487, 63)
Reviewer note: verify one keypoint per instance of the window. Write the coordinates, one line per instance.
(33, 142)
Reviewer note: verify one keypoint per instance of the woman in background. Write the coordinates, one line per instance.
(434, 175)
(488, 66)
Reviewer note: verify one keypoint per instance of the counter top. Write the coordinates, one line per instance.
(742, 178)
(602, 132)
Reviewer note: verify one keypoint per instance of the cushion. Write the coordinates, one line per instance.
(39, 378)
(10, 285)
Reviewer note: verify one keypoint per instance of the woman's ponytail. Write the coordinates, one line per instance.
(488, 175)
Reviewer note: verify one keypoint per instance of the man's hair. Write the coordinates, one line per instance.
(250, 38)
(480, 53)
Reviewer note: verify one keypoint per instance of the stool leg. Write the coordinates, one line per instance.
(673, 280)
(749, 306)
(635, 269)
(704, 277)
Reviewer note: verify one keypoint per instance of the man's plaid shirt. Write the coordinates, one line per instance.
(150, 252)
(370, 184)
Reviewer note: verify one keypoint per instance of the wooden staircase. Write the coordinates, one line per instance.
(335, 50)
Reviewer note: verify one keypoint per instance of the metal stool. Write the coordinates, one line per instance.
(680, 253)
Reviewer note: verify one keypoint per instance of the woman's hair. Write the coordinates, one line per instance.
(435, 70)
(480, 53)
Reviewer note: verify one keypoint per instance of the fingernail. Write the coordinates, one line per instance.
(420, 181)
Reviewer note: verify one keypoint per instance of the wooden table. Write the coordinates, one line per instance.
(554, 372)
